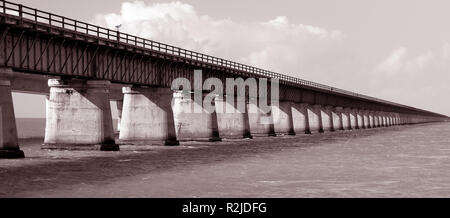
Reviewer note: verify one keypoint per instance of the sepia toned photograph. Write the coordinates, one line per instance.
(237, 99)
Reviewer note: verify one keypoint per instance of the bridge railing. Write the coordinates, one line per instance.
(53, 20)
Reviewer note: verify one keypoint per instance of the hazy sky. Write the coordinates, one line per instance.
(396, 50)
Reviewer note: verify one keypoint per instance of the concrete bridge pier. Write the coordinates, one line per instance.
(390, 119)
(383, 119)
(192, 120)
(119, 106)
(79, 116)
(397, 119)
(282, 118)
(371, 123)
(327, 118)
(300, 118)
(232, 117)
(260, 120)
(359, 119)
(376, 123)
(347, 122)
(353, 118)
(376, 118)
(337, 114)
(315, 118)
(365, 116)
(147, 116)
(9, 144)
(379, 119)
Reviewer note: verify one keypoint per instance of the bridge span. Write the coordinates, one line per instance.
(82, 67)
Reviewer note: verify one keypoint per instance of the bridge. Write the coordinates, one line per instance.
(81, 67)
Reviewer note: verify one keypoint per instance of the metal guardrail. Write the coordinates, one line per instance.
(53, 20)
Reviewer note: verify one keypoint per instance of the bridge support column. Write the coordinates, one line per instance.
(384, 119)
(192, 120)
(119, 105)
(79, 116)
(353, 118)
(260, 120)
(359, 119)
(315, 118)
(365, 117)
(147, 116)
(300, 118)
(337, 114)
(232, 117)
(380, 119)
(375, 120)
(9, 144)
(327, 118)
(346, 119)
(371, 123)
(282, 118)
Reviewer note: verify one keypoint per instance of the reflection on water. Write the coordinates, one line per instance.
(403, 161)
